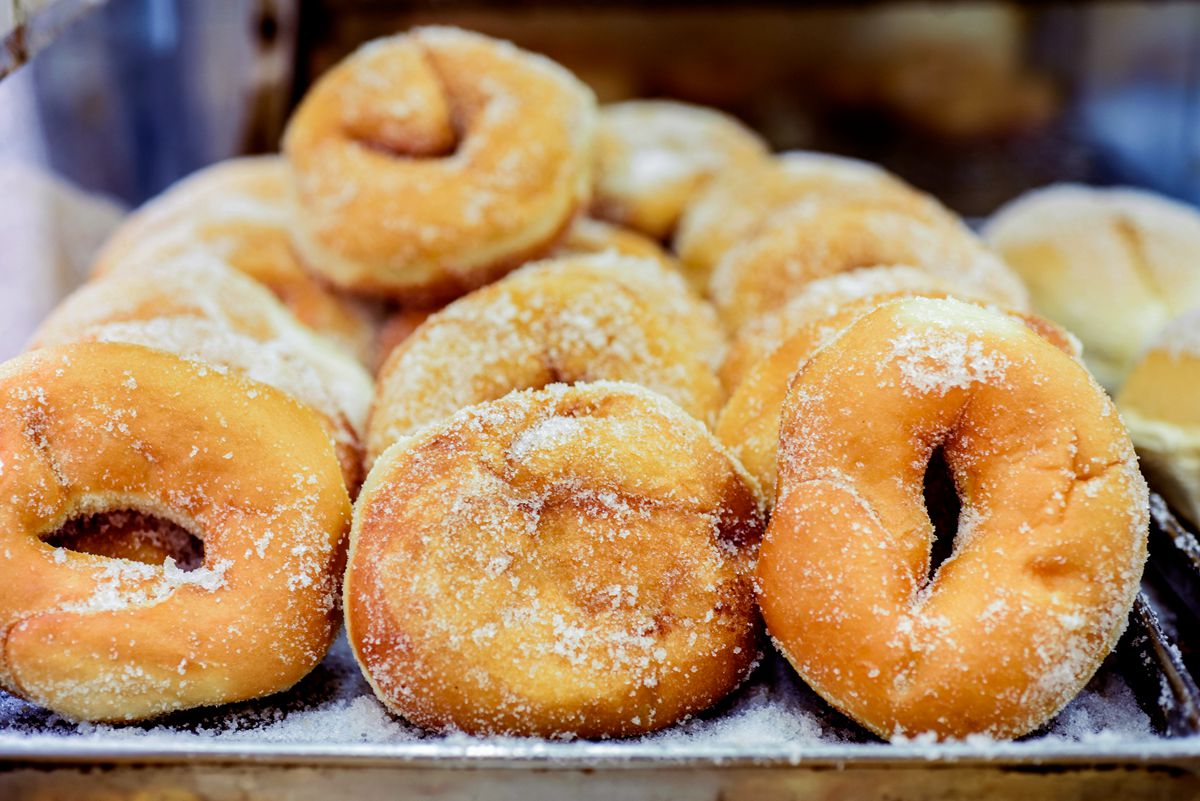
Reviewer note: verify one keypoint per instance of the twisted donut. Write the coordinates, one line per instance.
(238, 211)
(430, 163)
(1051, 540)
(585, 318)
(572, 561)
(1159, 404)
(653, 156)
(749, 422)
(95, 427)
(822, 237)
(196, 307)
(737, 201)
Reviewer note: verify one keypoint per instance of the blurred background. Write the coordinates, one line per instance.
(974, 102)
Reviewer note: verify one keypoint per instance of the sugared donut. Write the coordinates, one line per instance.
(824, 236)
(571, 561)
(816, 301)
(430, 163)
(1161, 407)
(95, 427)
(749, 422)
(1112, 265)
(653, 156)
(737, 201)
(238, 210)
(1051, 538)
(196, 307)
(585, 318)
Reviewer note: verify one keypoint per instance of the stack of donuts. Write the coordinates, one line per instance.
(554, 405)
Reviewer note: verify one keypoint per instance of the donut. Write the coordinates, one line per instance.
(95, 427)
(563, 562)
(737, 201)
(1111, 265)
(821, 237)
(238, 210)
(749, 422)
(1051, 538)
(653, 156)
(1159, 405)
(818, 300)
(430, 163)
(584, 318)
(196, 307)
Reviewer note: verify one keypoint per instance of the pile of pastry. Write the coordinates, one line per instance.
(434, 372)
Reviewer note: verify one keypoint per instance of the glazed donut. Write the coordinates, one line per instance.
(1051, 540)
(196, 307)
(95, 427)
(1112, 265)
(820, 237)
(585, 318)
(587, 236)
(1159, 405)
(749, 422)
(737, 201)
(571, 561)
(818, 300)
(653, 156)
(430, 163)
(238, 210)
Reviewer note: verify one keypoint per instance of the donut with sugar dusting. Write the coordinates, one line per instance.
(196, 307)
(1051, 539)
(653, 156)
(820, 299)
(97, 427)
(239, 211)
(749, 422)
(570, 561)
(430, 163)
(824, 236)
(735, 202)
(1161, 408)
(1114, 265)
(577, 319)
(585, 236)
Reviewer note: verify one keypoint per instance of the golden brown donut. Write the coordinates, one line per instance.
(1112, 265)
(196, 307)
(1160, 405)
(430, 163)
(238, 210)
(571, 561)
(737, 201)
(653, 156)
(821, 237)
(817, 300)
(593, 236)
(749, 422)
(583, 318)
(95, 427)
(1051, 538)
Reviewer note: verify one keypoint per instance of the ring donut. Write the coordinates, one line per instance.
(196, 307)
(749, 422)
(97, 427)
(1051, 540)
(238, 210)
(571, 561)
(821, 237)
(653, 156)
(737, 201)
(585, 318)
(430, 163)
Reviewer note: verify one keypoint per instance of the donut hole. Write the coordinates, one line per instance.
(129, 534)
(943, 506)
